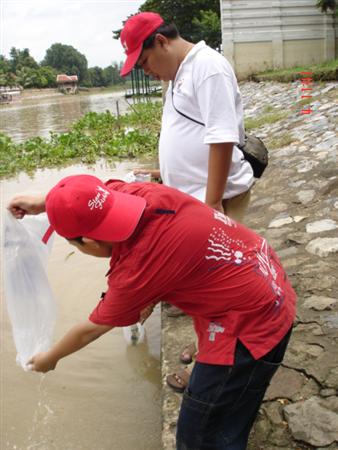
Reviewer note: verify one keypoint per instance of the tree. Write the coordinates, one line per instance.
(49, 74)
(192, 17)
(208, 27)
(95, 77)
(326, 5)
(66, 59)
(21, 58)
(108, 76)
(112, 75)
(5, 66)
(21, 68)
(7, 76)
(27, 77)
(3, 79)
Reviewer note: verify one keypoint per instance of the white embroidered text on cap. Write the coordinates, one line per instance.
(99, 199)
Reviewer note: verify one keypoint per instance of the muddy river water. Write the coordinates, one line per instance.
(106, 396)
(37, 113)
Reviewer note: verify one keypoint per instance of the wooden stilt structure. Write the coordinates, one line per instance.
(140, 85)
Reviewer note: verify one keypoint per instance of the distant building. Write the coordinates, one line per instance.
(68, 84)
(272, 34)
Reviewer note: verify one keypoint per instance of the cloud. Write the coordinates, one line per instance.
(86, 25)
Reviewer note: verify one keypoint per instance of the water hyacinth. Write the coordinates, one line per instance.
(94, 136)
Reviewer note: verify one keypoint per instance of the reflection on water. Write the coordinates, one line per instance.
(36, 116)
(104, 397)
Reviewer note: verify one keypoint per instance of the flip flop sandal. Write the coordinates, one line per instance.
(179, 380)
(188, 353)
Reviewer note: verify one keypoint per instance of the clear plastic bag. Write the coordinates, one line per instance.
(130, 177)
(134, 334)
(30, 302)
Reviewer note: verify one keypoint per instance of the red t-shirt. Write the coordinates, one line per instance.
(216, 270)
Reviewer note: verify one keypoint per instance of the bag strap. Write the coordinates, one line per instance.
(190, 118)
(180, 112)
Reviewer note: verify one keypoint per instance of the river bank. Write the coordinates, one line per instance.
(294, 206)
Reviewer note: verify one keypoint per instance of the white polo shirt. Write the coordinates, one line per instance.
(206, 89)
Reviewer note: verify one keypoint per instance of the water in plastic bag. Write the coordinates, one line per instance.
(30, 302)
(134, 334)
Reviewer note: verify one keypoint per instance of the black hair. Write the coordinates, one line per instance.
(169, 31)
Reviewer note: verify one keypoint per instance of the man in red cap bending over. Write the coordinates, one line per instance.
(165, 244)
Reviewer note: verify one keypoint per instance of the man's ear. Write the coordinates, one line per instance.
(162, 40)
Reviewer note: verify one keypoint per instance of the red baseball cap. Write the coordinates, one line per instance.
(83, 206)
(134, 33)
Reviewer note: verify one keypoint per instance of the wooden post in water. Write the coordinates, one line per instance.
(143, 89)
(132, 82)
(140, 84)
(147, 85)
(139, 74)
(136, 83)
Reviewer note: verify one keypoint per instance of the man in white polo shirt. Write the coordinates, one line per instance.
(202, 120)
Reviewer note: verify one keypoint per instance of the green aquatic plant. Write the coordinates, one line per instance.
(94, 136)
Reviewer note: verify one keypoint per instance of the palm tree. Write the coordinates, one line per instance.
(26, 77)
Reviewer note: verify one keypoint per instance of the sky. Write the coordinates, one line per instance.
(86, 25)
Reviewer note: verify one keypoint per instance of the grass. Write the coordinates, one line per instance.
(306, 101)
(280, 141)
(251, 123)
(320, 72)
(269, 109)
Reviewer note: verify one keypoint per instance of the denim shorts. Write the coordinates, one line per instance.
(221, 403)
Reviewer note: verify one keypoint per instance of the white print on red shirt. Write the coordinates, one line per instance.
(225, 219)
(214, 328)
(268, 270)
(223, 248)
(265, 264)
(99, 199)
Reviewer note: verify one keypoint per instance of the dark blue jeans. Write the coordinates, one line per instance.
(221, 402)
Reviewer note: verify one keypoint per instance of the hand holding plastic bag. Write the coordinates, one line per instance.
(30, 302)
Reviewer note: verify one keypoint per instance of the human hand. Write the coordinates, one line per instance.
(152, 173)
(21, 205)
(218, 206)
(42, 362)
(146, 312)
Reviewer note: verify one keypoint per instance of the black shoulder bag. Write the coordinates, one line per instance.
(253, 149)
